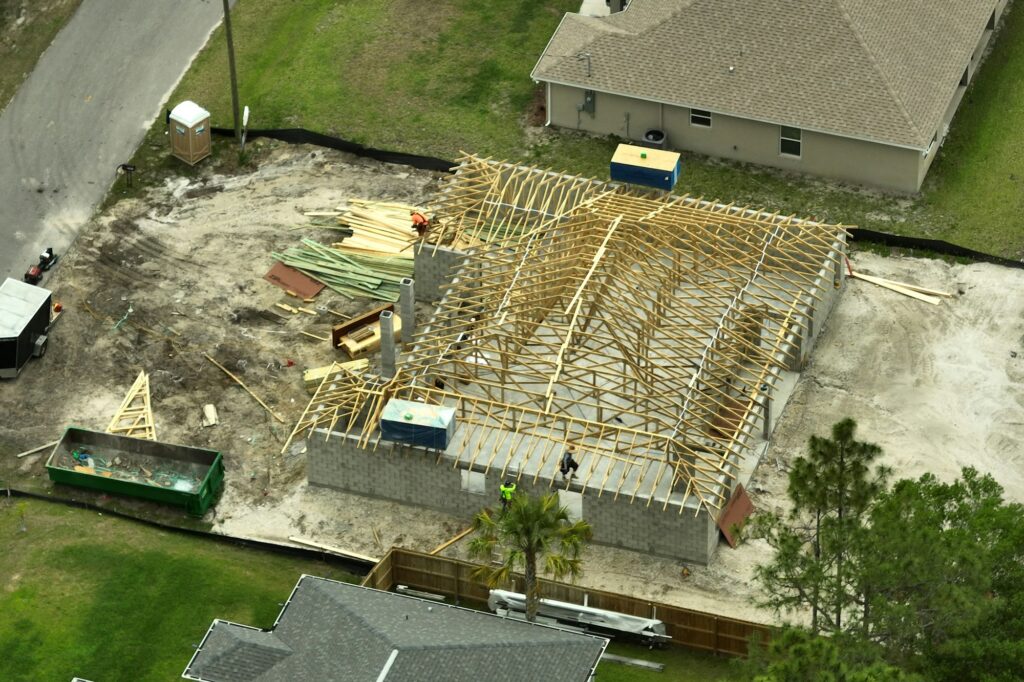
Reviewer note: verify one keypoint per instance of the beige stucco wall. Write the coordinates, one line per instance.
(857, 161)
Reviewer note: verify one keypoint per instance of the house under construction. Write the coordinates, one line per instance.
(648, 334)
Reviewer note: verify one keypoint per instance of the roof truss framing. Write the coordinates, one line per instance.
(643, 330)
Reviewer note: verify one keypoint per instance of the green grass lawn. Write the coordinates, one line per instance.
(453, 75)
(22, 42)
(108, 599)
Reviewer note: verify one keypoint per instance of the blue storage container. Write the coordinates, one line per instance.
(644, 166)
(413, 423)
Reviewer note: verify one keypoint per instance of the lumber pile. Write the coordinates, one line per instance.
(315, 376)
(349, 273)
(375, 228)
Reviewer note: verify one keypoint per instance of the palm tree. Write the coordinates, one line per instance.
(530, 529)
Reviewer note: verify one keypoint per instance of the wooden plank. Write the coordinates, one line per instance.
(334, 550)
(41, 447)
(905, 285)
(445, 545)
(898, 289)
(247, 389)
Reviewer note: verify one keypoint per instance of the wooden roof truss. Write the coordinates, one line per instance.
(643, 330)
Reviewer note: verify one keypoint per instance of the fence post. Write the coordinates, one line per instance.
(458, 578)
(716, 636)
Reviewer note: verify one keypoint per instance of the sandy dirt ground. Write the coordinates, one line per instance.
(938, 387)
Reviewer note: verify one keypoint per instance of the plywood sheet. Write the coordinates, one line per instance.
(736, 512)
(292, 280)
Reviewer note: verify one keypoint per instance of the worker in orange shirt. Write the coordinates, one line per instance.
(420, 223)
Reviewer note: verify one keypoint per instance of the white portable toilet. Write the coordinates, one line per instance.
(189, 129)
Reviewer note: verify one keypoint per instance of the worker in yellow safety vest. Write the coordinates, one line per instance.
(508, 489)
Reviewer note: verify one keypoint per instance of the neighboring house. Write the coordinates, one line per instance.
(860, 90)
(329, 630)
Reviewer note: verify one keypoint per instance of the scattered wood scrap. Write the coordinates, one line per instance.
(334, 550)
(247, 389)
(315, 336)
(312, 378)
(445, 545)
(902, 288)
(33, 450)
(210, 416)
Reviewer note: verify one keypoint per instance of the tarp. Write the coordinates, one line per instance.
(413, 423)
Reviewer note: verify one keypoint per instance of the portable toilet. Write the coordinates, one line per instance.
(645, 166)
(190, 132)
(24, 323)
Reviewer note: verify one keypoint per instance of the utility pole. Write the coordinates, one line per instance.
(231, 66)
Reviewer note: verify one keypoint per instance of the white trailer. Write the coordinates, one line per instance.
(650, 631)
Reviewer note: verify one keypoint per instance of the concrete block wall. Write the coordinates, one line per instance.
(651, 530)
(434, 267)
(813, 317)
(413, 476)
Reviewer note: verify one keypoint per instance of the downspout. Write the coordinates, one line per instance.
(547, 103)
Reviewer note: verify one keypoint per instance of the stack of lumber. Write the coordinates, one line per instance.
(376, 228)
(348, 273)
(315, 376)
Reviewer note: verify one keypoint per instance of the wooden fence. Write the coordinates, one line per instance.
(452, 578)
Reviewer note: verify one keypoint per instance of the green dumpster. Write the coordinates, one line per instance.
(173, 474)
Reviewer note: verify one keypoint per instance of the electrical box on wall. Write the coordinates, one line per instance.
(589, 100)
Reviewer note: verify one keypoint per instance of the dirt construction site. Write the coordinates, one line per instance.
(173, 281)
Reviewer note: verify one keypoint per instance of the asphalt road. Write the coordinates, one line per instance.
(83, 111)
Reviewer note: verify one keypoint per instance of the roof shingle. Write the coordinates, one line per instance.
(331, 630)
(871, 69)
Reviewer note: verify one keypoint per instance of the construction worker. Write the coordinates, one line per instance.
(569, 465)
(508, 489)
(420, 223)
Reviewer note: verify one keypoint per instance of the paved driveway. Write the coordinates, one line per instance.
(84, 110)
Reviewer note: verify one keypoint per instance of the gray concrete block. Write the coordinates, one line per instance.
(414, 476)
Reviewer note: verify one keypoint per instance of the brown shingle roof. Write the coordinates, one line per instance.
(882, 70)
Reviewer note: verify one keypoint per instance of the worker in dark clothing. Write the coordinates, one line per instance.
(569, 465)
(508, 489)
(420, 223)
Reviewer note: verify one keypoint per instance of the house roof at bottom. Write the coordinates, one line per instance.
(870, 69)
(19, 303)
(330, 630)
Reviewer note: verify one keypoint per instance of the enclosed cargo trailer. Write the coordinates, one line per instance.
(24, 323)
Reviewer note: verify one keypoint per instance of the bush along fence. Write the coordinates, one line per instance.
(452, 578)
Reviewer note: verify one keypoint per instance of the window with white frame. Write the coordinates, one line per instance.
(789, 141)
(699, 117)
